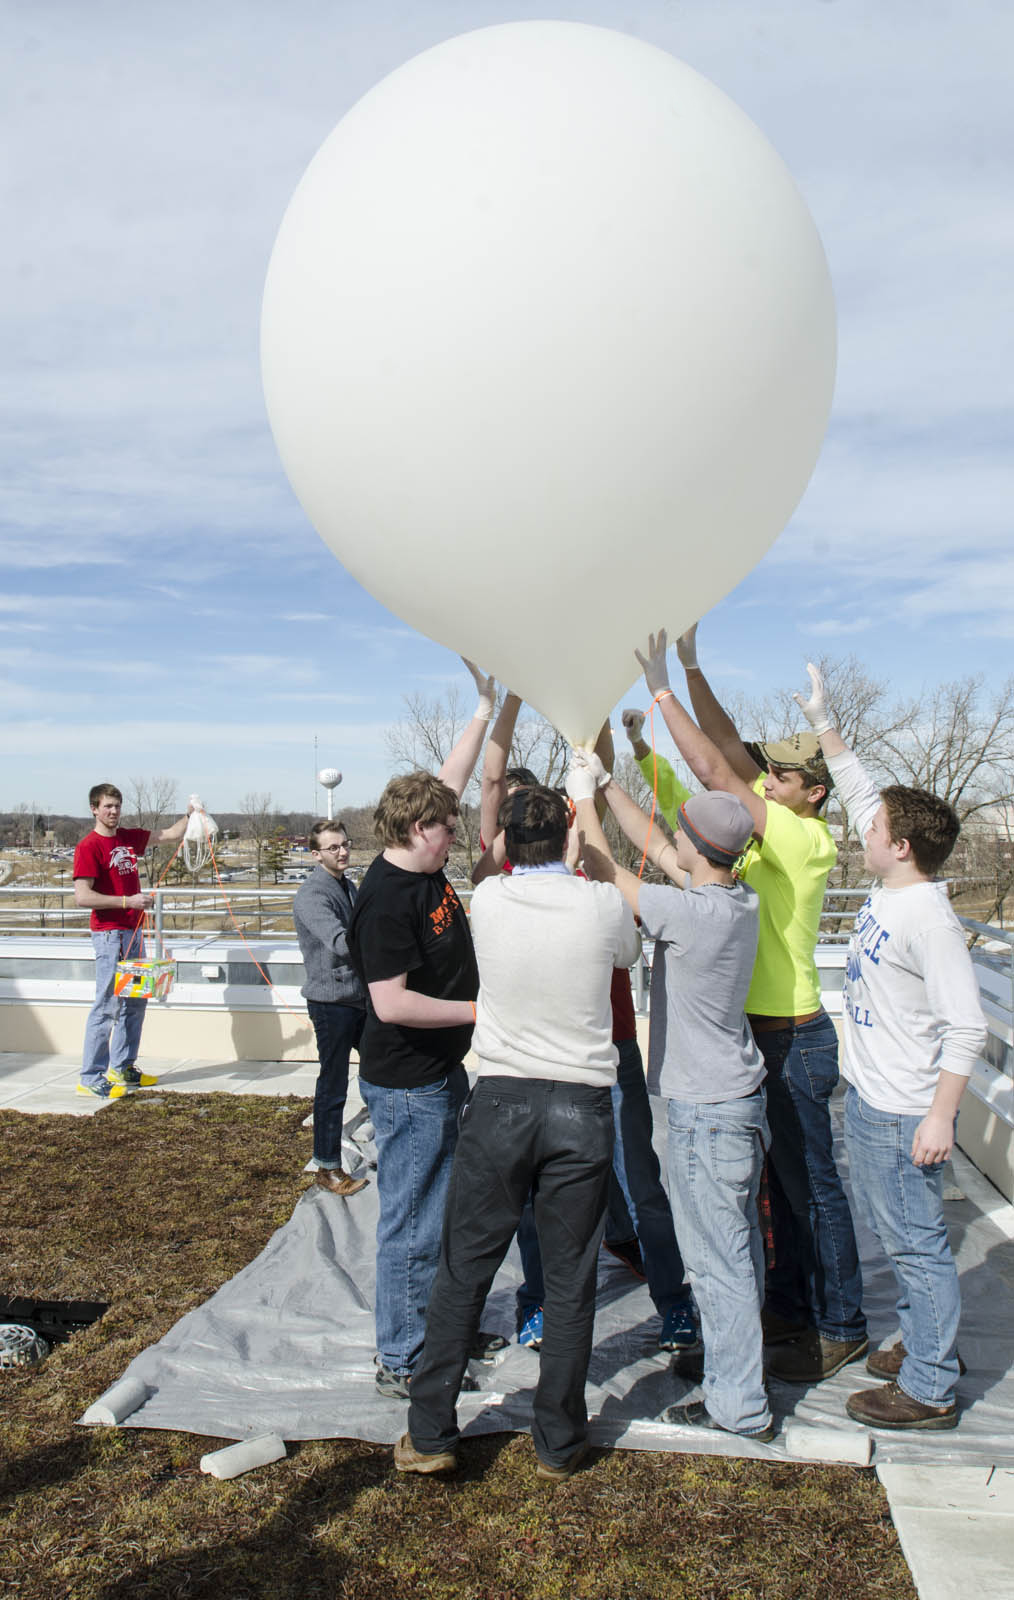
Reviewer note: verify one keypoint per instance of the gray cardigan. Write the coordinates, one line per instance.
(321, 912)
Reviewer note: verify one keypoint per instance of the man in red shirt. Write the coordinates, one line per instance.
(107, 883)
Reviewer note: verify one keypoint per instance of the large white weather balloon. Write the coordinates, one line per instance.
(548, 351)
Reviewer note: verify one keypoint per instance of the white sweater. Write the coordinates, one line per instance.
(912, 1007)
(546, 944)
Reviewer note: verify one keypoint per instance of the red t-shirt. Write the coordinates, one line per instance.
(111, 863)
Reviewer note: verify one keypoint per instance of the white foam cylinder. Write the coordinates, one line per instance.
(117, 1403)
(242, 1457)
(850, 1445)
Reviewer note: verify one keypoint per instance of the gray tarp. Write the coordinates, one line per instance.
(287, 1346)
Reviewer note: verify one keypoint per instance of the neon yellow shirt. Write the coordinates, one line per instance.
(789, 872)
(671, 793)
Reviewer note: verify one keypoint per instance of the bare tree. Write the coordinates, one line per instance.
(957, 744)
(152, 803)
(260, 822)
(424, 738)
(541, 748)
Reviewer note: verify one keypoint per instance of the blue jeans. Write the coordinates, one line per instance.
(416, 1132)
(716, 1153)
(642, 1201)
(636, 1169)
(113, 1030)
(816, 1276)
(337, 1029)
(520, 1137)
(904, 1208)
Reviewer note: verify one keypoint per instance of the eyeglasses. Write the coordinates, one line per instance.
(334, 849)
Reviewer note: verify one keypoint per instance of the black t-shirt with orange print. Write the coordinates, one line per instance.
(411, 922)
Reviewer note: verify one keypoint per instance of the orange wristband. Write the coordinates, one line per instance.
(474, 1012)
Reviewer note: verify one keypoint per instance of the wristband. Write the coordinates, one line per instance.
(124, 905)
(663, 692)
(475, 1016)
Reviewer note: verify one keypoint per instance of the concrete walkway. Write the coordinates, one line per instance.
(955, 1524)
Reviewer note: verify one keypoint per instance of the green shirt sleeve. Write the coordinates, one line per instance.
(671, 793)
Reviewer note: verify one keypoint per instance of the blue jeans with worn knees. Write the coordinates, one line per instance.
(816, 1274)
(337, 1028)
(904, 1207)
(637, 1171)
(113, 1030)
(416, 1131)
(715, 1157)
(520, 1137)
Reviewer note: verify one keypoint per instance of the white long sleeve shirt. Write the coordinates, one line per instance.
(912, 1007)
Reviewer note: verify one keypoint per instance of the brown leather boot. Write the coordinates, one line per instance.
(887, 1363)
(891, 1407)
(813, 1358)
(335, 1181)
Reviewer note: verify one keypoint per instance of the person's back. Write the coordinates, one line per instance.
(547, 944)
(700, 1047)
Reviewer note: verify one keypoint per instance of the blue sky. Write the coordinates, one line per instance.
(165, 606)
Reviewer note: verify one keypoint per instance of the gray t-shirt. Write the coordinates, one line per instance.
(700, 1046)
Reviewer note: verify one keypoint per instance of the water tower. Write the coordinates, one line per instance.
(329, 778)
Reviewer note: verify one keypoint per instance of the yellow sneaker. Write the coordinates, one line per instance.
(102, 1090)
(130, 1078)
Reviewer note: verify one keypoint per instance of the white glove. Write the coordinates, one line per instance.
(815, 709)
(686, 649)
(656, 672)
(633, 723)
(581, 781)
(487, 690)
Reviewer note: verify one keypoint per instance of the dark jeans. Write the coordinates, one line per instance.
(637, 1204)
(816, 1275)
(337, 1028)
(519, 1135)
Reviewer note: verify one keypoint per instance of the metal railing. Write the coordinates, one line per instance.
(49, 910)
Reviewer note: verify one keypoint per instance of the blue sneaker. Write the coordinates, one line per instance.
(530, 1332)
(679, 1330)
(102, 1090)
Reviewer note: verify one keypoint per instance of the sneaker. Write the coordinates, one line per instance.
(891, 1407)
(487, 1345)
(130, 1078)
(679, 1330)
(887, 1363)
(335, 1181)
(102, 1090)
(530, 1332)
(779, 1330)
(392, 1385)
(697, 1415)
(408, 1459)
(570, 1466)
(813, 1358)
(629, 1252)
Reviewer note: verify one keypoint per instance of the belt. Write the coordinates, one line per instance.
(770, 1024)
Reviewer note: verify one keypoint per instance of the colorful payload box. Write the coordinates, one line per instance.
(144, 980)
